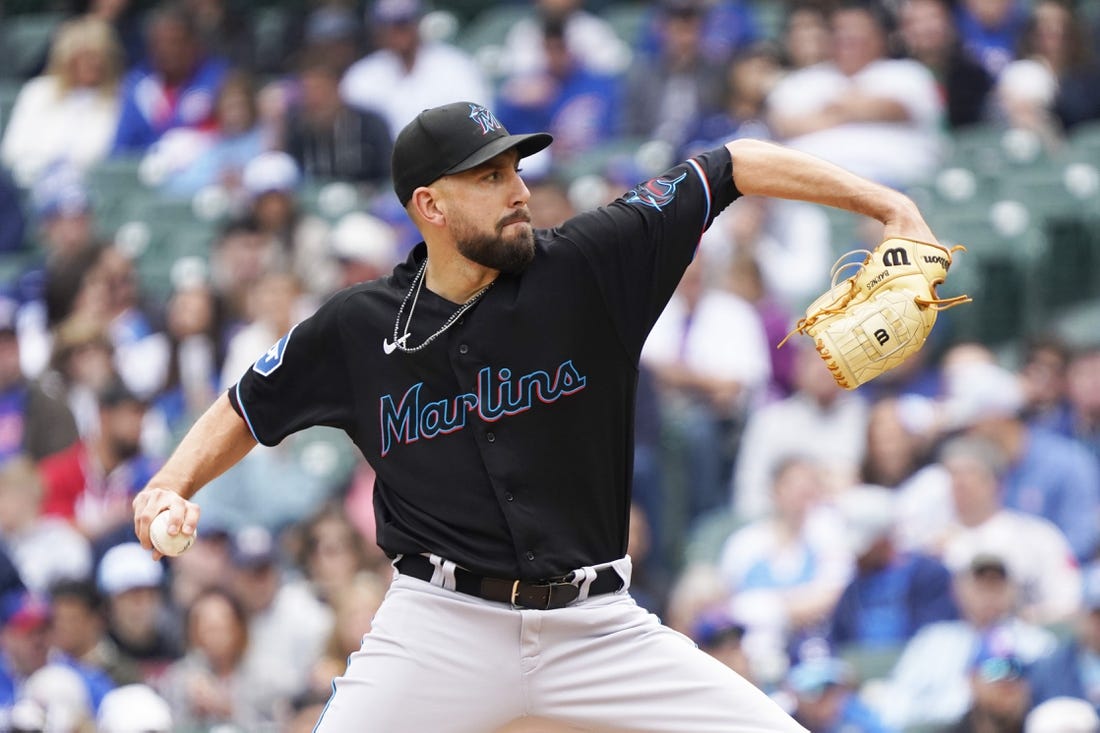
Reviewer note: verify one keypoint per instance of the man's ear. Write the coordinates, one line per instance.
(427, 206)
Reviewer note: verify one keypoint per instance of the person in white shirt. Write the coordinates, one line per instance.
(70, 113)
(820, 421)
(706, 379)
(406, 74)
(862, 110)
(1037, 553)
(590, 38)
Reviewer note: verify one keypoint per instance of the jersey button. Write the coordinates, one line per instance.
(530, 555)
(509, 496)
(491, 437)
(463, 348)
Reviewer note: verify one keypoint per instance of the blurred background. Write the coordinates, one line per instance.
(181, 182)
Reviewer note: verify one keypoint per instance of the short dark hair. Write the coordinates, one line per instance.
(80, 590)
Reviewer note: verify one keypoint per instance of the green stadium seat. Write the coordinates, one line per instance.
(627, 19)
(9, 90)
(24, 41)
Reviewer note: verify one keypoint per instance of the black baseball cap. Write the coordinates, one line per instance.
(451, 139)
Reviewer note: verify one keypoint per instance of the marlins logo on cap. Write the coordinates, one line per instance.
(485, 118)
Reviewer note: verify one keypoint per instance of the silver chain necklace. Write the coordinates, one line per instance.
(416, 286)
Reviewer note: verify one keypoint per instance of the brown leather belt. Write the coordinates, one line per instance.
(533, 594)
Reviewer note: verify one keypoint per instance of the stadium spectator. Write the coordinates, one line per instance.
(1057, 35)
(82, 366)
(140, 622)
(1083, 390)
(719, 635)
(1062, 715)
(195, 355)
(1073, 669)
(668, 94)
(749, 78)
(407, 74)
(82, 82)
(589, 38)
(578, 106)
(785, 572)
(298, 238)
(1043, 377)
(240, 255)
(353, 611)
(929, 684)
(861, 109)
(1038, 555)
(990, 30)
(177, 87)
(333, 552)
(13, 224)
(329, 139)
(929, 36)
(185, 161)
(805, 38)
(287, 624)
(364, 246)
(825, 701)
(134, 708)
(224, 30)
(78, 631)
(728, 27)
(705, 382)
(820, 421)
(34, 421)
(45, 549)
(893, 593)
(25, 620)
(999, 691)
(207, 687)
(92, 482)
(1047, 475)
(275, 304)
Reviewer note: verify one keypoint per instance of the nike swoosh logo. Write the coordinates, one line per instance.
(391, 346)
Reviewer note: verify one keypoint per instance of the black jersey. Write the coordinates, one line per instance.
(506, 444)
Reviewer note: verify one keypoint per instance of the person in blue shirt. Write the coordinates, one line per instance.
(1073, 669)
(177, 87)
(1049, 475)
(577, 106)
(825, 702)
(893, 593)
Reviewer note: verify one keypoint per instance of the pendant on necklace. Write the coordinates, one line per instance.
(391, 346)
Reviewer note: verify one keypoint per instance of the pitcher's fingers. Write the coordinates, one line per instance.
(190, 521)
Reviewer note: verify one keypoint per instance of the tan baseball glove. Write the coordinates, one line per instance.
(875, 319)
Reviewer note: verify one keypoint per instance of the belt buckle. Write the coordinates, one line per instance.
(515, 591)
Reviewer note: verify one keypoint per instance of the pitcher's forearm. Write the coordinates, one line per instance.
(217, 441)
(765, 169)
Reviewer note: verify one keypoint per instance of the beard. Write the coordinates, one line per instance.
(509, 255)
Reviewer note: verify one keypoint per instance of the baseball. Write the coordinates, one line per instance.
(165, 543)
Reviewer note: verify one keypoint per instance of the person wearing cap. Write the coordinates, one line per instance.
(92, 483)
(1073, 669)
(825, 701)
(26, 654)
(287, 624)
(140, 623)
(407, 73)
(364, 246)
(490, 381)
(999, 691)
(929, 686)
(297, 239)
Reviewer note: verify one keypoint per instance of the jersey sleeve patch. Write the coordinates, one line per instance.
(272, 359)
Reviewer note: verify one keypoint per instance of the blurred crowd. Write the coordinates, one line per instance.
(919, 554)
